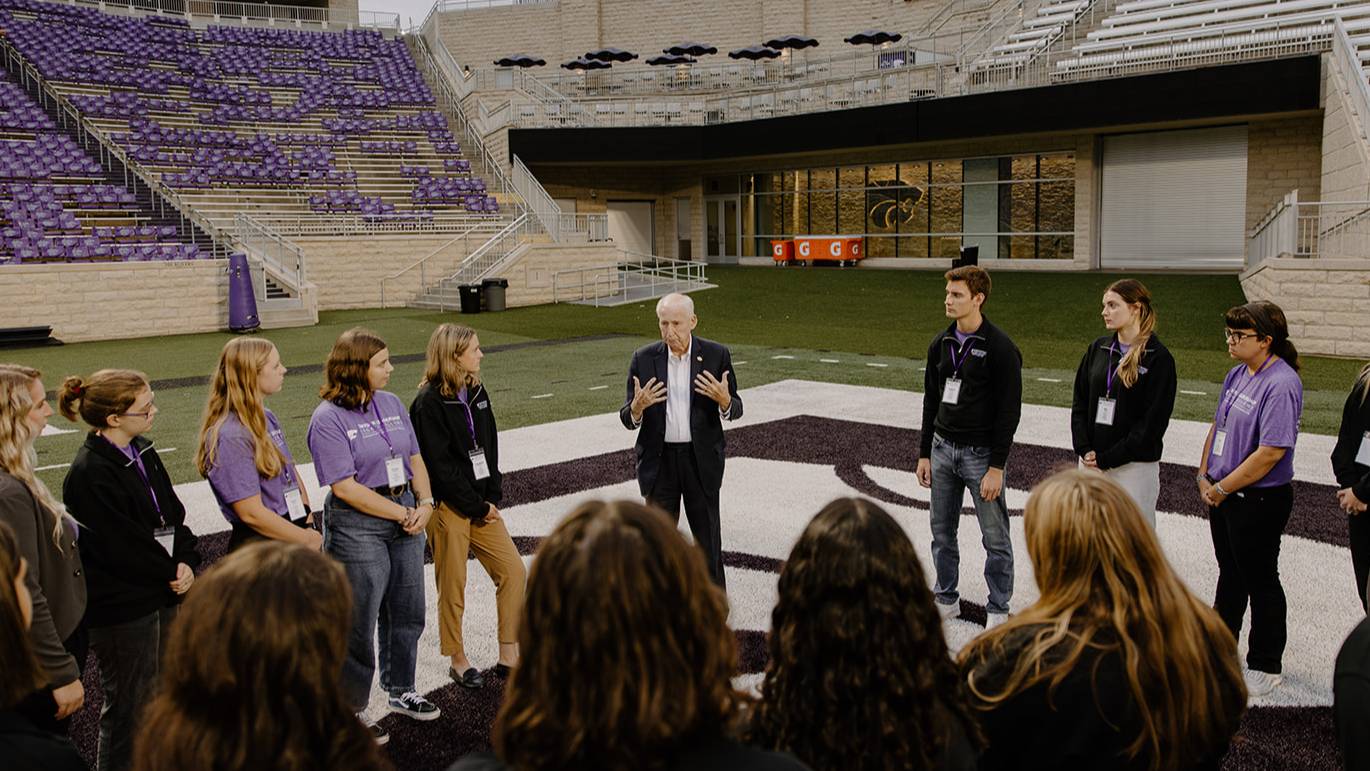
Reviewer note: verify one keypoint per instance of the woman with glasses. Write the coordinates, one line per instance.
(137, 551)
(1245, 477)
(1124, 394)
(243, 453)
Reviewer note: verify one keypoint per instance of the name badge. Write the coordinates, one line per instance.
(1363, 457)
(951, 391)
(394, 472)
(479, 465)
(1219, 442)
(166, 538)
(294, 503)
(1104, 416)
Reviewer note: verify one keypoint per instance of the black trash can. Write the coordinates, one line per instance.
(470, 298)
(494, 289)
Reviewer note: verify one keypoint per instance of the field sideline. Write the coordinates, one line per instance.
(557, 362)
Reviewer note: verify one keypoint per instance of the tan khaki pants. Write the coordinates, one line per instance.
(451, 536)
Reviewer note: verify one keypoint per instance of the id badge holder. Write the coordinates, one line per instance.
(394, 472)
(294, 504)
(166, 538)
(951, 391)
(479, 465)
(1363, 457)
(1219, 442)
(1104, 416)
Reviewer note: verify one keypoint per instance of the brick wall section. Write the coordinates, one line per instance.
(1326, 301)
(531, 273)
(116, 300)
(1282, 155)
(1345, 154)
(350, 271)
(566, 29)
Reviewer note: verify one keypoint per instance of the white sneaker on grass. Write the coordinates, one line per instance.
(1260, 683)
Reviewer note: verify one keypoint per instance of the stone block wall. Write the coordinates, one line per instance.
(1326, 301)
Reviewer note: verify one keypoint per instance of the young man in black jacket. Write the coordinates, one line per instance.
(1351, 464)
(972, 399)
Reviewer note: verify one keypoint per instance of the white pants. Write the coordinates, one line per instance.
(1142, 481)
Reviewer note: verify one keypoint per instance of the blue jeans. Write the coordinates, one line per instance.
(956, 468)
(384, 564)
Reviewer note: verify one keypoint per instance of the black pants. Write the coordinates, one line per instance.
(1246, 532)
(40, 707)
(1360, 551)
(679, 478)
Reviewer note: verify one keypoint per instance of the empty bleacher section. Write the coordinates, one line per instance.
(308, 128)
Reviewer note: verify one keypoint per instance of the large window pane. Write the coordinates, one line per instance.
(913, 246)
(1058, 166)
(797, 214)
(880, 246)
(851, 177)
(1022, 167)
(1056, 247)
(1056, 207)
(823, 179)
(851, 212)
(823, 212)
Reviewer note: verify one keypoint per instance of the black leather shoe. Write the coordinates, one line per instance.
(471, 678)
(502, 671)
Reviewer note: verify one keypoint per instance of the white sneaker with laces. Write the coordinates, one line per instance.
(1260, 683)
(373, 728)
(995, 619)
(949, 609)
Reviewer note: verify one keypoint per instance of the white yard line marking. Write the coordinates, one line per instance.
(64, 465)
(738, 362)
(782, 356)
(1049, 380)
(1193, 393)
(51, 430)
(542, 396)
(875, 364)
(831, 361)
(596, 388)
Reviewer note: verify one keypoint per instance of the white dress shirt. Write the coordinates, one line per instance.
(679, 391)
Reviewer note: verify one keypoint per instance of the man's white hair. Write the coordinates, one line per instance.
(678, 299)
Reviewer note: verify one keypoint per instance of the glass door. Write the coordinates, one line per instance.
(722, 229)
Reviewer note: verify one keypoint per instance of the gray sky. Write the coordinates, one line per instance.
(407, 9)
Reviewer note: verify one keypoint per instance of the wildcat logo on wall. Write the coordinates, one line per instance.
(891, 204)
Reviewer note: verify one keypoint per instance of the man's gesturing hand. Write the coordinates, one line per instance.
(645, 396)
(714, 388)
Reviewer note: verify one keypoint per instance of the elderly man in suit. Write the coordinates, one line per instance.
(680, 391)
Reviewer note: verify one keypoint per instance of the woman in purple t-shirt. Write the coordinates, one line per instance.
(366, 453)
(1245, 477)
(242, 451)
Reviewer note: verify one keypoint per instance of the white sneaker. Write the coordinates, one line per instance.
(995, 619)
(948, 609)
(373, 728)
(1259, 683)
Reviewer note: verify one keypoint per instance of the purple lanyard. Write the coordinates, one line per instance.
(1227, 403)
(463, 398)
(380, 423)
(1112, 372)
(136, 460)
(956, 363)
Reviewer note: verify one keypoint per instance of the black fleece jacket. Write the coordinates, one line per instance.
(128, 574)
(1140, 413)
(991, 400)
(1355, 421)
(445, 444)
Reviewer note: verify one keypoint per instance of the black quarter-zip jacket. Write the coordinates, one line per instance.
(1355, 421)
(128, 574)
(445, 444)
(991, 399)
(1141, 413)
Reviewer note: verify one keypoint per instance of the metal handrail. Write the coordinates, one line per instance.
(489, 254)
(1311, 229)
(678, 274)
(422, 263)
(249, 14)
(277, 254)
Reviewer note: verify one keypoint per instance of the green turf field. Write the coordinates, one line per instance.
(854, 326)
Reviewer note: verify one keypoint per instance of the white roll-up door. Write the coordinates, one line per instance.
(630, 225)
(1174, 199)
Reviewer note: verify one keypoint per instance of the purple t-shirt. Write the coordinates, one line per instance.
(1259, 411)
(233, 476)
(354, 443)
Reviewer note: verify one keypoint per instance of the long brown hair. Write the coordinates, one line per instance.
(1267, 319)
(1134, 292)
(448, 342)
(233, 388)
(17, 454)
(625, 649)
(855, 613)
(1106, 588)
(22, 674)
(345, 380)
(253, 670)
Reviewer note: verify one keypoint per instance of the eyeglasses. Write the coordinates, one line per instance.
(151, 408)
(1236, 337)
